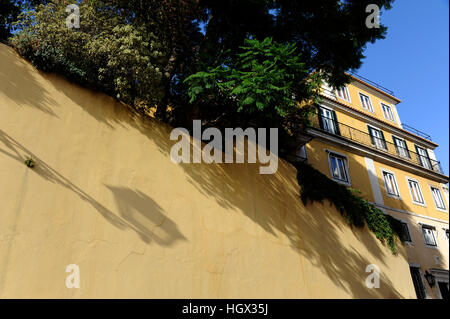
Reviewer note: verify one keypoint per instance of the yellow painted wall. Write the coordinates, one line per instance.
(353, 122)
(418, 253)
(422, 255)
(406, 203)
(354, 88)
(318, 158)
(105, 195)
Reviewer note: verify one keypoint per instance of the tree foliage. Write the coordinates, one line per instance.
(265, 76)
(106, 52)
(9, 11)
(145, 50)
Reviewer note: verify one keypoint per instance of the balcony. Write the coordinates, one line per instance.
(332, 127)
(378, 86)
(416, 132)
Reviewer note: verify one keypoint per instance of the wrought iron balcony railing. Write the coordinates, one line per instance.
(416, 131)
(331, 126)
(378, 86)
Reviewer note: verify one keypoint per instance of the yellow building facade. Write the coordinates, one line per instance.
(359, 141)
(104, 196)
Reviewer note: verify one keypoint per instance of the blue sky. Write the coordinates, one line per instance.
(413, 61)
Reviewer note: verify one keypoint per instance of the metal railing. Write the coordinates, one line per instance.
(382, 88)
(333, 127)
(416, 131)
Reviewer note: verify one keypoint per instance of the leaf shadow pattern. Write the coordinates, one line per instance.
(15, 74)
(125, 198)
(145, 216)
(271, 201)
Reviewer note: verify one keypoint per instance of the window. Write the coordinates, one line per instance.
(405, 234)
(390, 184)
(387, 111)
(401, 146)
(428, 235)
(338, 167)
(437, 196)
(328, 120)
(424, 160)
(446, 234)
(377, 138)
(342, 93)
(416, 193)
(301, 154)
(365, 102)
(419, 287)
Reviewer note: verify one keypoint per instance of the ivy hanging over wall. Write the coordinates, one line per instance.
(315, 187)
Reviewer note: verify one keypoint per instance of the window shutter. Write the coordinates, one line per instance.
(319, 114)
(394, 139)
(336, 124)
(427, 158)
(372, 139)
(407, 150)
(384, 141)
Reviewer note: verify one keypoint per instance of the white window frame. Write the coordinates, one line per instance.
(406, 149)
(383, 170)
(442, 198)
(299, 151)
(433, 232)
(371, 110)
(411, 242)
(382, 134)
(417, 147)
(347, 92)
(410, 191)
(335, 124)
(384, 113)
(346, 167)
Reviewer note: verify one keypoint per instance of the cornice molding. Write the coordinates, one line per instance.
(410, 213)
(392, 160)
(371, 120)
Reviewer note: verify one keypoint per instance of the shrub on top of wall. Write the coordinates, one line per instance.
(357, 211)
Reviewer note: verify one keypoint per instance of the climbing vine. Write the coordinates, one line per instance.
(357, 211)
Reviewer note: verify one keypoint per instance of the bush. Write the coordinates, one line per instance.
(316, 186)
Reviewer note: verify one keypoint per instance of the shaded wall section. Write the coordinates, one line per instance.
(105, 195)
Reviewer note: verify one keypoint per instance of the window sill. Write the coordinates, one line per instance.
(393, 121)
(419, 204)
(373, 112)
(393, 196)
(432, 247)
(379, 148)
(342, 182)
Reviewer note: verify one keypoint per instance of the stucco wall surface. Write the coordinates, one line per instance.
(104, 195)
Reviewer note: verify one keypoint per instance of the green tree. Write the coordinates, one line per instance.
(106, 52)
(329, 36)
(9, 11)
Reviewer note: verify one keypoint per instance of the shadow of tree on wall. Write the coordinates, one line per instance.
(145, 216)
(16, 74)
(270, 201)
(155, 227)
